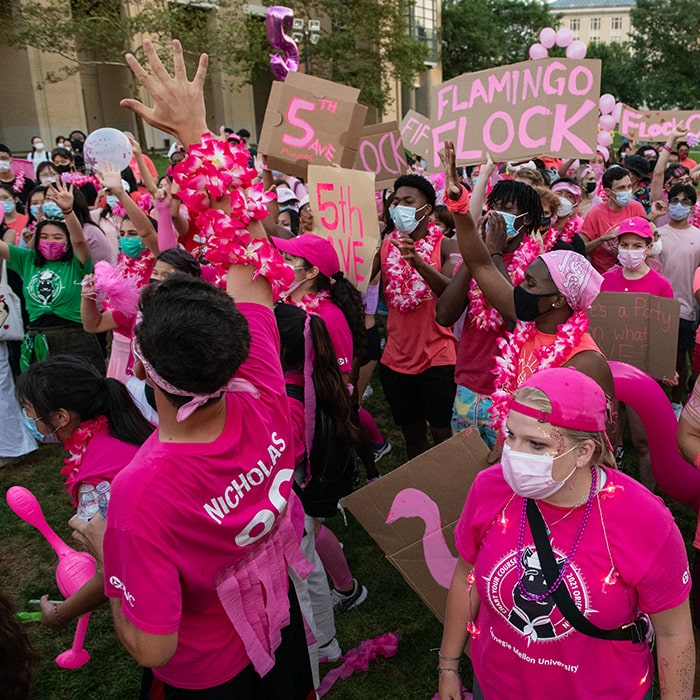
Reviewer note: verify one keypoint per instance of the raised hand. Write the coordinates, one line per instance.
(111, 180)
(449, 162)
(135, 146)
(178, 103)
(61, 193)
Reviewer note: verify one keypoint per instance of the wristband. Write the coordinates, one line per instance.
(65, 213)
(496, 253)
(667, 148)
(449, 658)
(445, 669)
(458, 206)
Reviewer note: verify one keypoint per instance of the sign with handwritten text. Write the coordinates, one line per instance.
(311, 121)
(639, 329)
(342, 204)
(656, 126)
(514, 112)
(381, 152)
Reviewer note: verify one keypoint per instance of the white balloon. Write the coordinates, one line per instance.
(107, 148)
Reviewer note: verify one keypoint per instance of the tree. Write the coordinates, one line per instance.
(620, 71)
(665, 39)
(480, 34)
(364, 43)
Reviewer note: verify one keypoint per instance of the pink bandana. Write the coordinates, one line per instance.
(197, 400)
(574, 277)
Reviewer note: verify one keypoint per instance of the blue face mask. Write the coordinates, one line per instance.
(112, 200)
(30, 425)
(678, 212)
(131, 246)
(34, 210)
(623, 198)
(51, 210)
(8, 206)
(404, 217)
(510, 220)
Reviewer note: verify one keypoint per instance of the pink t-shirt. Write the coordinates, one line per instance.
(529, 650)
(651, 283)
(182, 514)
(339, 331)
(104, 458)
(680, 257)
(599, 220)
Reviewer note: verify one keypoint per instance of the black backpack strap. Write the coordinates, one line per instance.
(294, 391)
(635, 631)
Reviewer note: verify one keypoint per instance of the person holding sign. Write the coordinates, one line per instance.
(417, 366)
(560, 582)
(598, 230)
(635, 238)
(547, 311)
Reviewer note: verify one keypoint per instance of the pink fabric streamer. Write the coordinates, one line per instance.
(120, 292)
(167, 236)
(358, 659)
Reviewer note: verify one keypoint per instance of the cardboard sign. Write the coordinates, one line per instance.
(342, 204)
(639, 329)
(411, 513)
(308, 121)
(417, 135)
(381, 153)
(514, 112)
(655, 126)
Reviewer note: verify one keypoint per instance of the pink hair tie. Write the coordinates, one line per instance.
(458, 206)
(197, 400)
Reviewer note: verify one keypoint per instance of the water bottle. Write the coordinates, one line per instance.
(88, 502)
(103, 497)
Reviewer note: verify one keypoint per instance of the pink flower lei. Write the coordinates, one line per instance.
(18, 184)
(486, 317)
(139, 268)
(77, 444)
(80, 180)
(217, 170)
(405, 289)
(568, 336)
(311, 302)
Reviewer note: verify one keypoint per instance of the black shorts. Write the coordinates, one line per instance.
(373, 350)
(426, 396)
(686, 335)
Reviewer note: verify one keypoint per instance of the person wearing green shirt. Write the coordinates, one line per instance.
(51, 274)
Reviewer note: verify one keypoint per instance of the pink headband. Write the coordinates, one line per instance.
(197, 400)
(568, 187)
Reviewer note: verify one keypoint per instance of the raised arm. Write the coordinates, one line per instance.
(657, 179)
(146, 176)
(62, 193)
(479, 193)
(477, 254)
(111, 180)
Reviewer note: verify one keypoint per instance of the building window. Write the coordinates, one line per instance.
(595, 24)
(422, 19)
(575, 26)
(616, 25)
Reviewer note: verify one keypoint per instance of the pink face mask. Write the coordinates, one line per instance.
(631, 259)
(530, 475)
(53, 250)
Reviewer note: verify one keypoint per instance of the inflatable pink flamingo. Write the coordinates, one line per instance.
(675, 477)
(412, 503)
(74, 569)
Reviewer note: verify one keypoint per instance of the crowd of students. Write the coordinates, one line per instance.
(183, 360)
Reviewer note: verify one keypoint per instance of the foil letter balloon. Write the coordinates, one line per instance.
(277, 17)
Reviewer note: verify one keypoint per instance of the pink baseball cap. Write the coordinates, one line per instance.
(318, 251)
(578, 402)
(637, 225)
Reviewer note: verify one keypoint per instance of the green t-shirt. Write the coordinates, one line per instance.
(49, 289)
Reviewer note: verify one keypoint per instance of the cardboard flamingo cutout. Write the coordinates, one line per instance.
(74, 569)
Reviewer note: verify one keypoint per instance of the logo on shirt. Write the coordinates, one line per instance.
(538, 621)
(114, 581)
(44, 287)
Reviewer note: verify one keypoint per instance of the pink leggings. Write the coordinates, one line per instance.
(333, 559)
(370, 427)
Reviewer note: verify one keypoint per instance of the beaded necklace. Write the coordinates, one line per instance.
(572, 550)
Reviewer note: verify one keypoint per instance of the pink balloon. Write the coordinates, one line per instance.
(607, 122)
(675, 477)
(547, 37)
(564, 37)
(277, 17)
(604, 139)
(537, 51)
(603, 152)
(617, 112)
(606, 103)
(576, 49)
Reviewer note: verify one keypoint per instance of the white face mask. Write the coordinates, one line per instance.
(631, 259)
(565, 208)
(404, 217)
(39, 146)
(657, 247)
(530, 476)
(5, 165)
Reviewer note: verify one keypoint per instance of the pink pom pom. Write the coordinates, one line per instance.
(119, 291)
